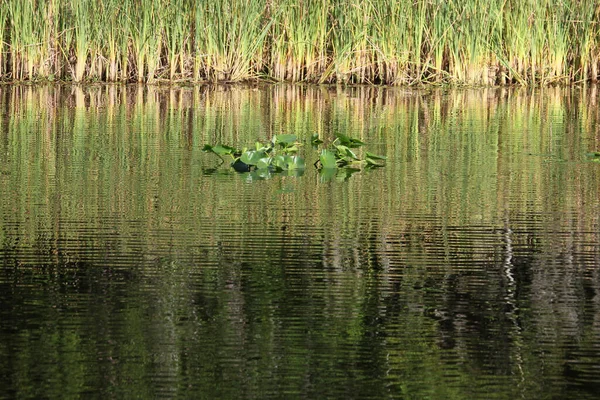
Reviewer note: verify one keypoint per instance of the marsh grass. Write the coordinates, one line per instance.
(3, 25)
(396, 42)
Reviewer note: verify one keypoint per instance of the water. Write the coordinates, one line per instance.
(132, 267)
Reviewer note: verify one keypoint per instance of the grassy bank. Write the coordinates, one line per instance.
(396, 42)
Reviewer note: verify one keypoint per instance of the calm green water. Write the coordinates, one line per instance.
(467, 268)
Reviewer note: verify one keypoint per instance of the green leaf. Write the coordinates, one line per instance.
(251, 157)
(285, 138)
(220, 149)
(375, 156)
(263, 163)
(295, 172)
(296, 163)
(260, 174)
(593, 156)
(314, 139)
(246, 157)
(291, 149)
(327, 174)
(280, 162)
(328, 159)
(345, 152)
(348, 141)
(286, 162)
(373, 162)
(345, 173)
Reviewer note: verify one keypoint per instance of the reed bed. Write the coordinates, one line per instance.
(397, 42)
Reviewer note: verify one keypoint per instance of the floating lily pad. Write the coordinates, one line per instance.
(263, 163)
(252, 157)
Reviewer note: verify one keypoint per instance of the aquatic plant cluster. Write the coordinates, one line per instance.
(398, 42)
(280, 155)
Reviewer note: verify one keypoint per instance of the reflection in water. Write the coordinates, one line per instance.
(466, 268)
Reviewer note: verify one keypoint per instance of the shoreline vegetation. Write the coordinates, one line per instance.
(391, 42)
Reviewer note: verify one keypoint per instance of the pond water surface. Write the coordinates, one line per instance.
(132, 265)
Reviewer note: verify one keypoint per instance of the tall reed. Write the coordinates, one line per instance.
(113, 36)
(394, 42)
(22, 38)
(229, 38)
(82, 38)
(3, 25)
(298, 40)
(177, 38)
